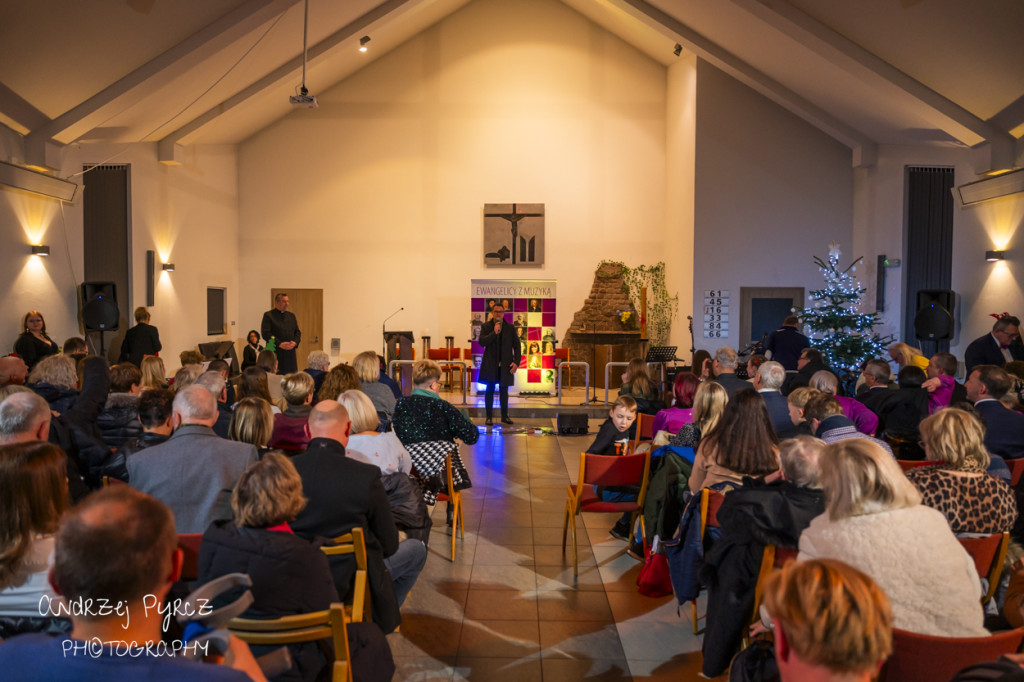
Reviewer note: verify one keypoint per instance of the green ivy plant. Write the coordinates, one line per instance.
(662, 308)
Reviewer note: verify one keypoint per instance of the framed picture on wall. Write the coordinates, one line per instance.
(513, 236)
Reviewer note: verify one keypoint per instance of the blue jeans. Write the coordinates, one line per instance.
(405, 566)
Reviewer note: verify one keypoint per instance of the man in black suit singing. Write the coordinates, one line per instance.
(500, 361)
(997, 348)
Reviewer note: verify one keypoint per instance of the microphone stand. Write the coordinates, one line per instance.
(383, 333)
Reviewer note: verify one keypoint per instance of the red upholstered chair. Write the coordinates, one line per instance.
(562, 355)
(644, 429)
(710, 503)
(189, 545)
(989, 554)
(604, 470)
(1016, 469)
(924, 658)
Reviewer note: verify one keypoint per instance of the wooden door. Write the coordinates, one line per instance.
(308, 306)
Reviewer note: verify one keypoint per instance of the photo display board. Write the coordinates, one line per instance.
(530, 309)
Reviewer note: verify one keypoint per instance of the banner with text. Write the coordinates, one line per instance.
(530, 308)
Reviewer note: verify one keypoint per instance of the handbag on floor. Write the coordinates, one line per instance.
(654, 580)
(756, 663)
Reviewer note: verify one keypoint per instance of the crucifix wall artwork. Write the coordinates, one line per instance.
(513, 235)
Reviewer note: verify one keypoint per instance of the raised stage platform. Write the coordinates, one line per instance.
(536, 407)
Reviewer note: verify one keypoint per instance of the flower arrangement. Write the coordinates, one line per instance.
(627, 318)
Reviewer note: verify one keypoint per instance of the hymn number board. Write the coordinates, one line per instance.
(716, 313)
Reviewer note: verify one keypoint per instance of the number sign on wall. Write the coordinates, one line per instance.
(716, 313)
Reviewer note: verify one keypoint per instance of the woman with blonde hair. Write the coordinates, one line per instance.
(252, 421)
(368, 369)
(290, 575)
(153, 373)
(366, 444)
(957, 484)
(33, 497)
(708, 405)
(906, 355)
(874, 521)
(797, 400)
(638, 384)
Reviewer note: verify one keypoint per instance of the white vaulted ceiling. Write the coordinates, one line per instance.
(218, 71)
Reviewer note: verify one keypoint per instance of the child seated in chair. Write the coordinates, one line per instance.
(613, 438)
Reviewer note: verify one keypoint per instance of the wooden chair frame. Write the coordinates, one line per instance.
(644, 429)
(354, 542)
(981, 547)
(710, 501)
(1016, 469)
(573, 502)
(925, 658)
(455, 496)
(305, 627)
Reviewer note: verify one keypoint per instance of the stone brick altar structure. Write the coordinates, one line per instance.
(598, 322)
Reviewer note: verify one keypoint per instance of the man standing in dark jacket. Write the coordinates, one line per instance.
(501, 359)
(786, 343)
(281, 324)
(343, 493)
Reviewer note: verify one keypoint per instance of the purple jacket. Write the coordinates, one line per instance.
(865, 420)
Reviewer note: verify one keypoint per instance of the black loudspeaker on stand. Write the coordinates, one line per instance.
(99, 307)
(934, 318)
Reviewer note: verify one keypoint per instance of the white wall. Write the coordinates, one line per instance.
(378, 195)
(187, 214)
(771, 193)
(981, 287)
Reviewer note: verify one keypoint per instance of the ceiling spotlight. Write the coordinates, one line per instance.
(362, 43)
(38, 250)
(678, 50)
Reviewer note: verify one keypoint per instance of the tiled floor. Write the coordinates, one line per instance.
(508, 608)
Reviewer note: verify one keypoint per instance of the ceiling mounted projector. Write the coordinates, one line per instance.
(304, 99)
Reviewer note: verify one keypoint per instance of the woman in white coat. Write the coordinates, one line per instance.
(874, 521)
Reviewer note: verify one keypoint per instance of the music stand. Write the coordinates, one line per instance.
(221, 350)
(661, 355)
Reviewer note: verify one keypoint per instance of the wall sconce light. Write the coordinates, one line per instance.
(362, 43)
(39, 250)
(993, 256)
(678, 50)
(168, 267)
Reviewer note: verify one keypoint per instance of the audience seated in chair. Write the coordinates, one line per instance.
(638, 384)
(825, 415)
(684, 388)
(194, 470)
(613, 438)
(129, 539)
(365, 365)
(252, 422)
(811, 362)
(767, 382)
(901, 410)
(154, 415)
(864, 419)
(771, 510)
(708, 405)
(290, 426)
(343, 493)
(214, 382)
(1004, 428)
(290, 575)
(317, 364)
(958, 486)
(742, 444)
(119, 420)
(875, 521)
(831, 622)
(253, 384)
(33, 478)
(724, 368)
(154, 375)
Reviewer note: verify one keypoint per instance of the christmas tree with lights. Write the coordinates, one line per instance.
(835, 325)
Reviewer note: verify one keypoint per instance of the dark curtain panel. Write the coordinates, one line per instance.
(105, 227)
(929, 256)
